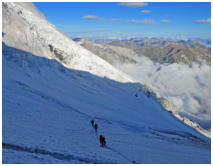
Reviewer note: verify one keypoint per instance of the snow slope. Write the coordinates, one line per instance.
(47, 110)
(50, 97)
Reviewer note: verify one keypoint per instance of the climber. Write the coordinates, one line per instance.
(96, 127)
(92, 122)
(102, 141)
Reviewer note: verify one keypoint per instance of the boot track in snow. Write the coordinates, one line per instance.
(56, 155)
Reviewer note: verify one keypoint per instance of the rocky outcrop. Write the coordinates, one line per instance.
(171, 108)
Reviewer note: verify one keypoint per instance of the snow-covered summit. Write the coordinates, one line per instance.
(25, 28)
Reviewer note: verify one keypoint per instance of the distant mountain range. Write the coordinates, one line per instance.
(157, 49)
(110, 53)
(164, 51)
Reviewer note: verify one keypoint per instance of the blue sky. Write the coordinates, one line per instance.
(157, 19)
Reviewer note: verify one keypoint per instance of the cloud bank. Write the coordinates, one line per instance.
(188, 87)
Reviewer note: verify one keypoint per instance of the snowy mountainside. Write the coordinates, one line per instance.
(47, 120)
(52, 89)
(31, 32)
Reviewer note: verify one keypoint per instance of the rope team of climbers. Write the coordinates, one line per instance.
(102, 139)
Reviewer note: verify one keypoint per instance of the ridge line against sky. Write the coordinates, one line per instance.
(125, 19)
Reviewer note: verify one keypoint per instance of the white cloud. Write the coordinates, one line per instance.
(189, 88)
(145, 21)
(133, 4)
(165, 21)
(146, 11)
(207, 21)
(92, 17)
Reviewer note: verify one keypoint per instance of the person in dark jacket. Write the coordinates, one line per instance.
(92, 123)
(96, 127)
(102, 140)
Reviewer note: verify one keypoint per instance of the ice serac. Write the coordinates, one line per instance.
(25, 28)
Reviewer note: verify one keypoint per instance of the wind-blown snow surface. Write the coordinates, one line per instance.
(188, 87)
(47, 111)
